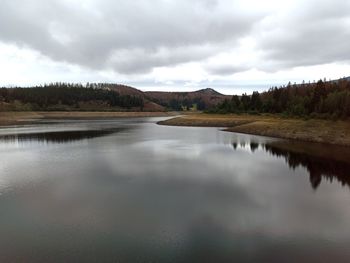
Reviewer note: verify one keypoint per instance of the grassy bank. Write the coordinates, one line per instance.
(16, 118)
(313, 130)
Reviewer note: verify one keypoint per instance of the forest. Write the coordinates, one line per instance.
(63, 96)
(183, 105)
(321, 99)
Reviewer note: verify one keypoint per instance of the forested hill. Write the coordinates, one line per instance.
(63, 96)
(203, 99)
(104, 97)
(325, 99)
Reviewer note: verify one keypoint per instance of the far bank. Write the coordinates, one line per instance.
(311, 130)
(28, 117)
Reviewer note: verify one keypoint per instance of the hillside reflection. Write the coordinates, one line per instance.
(58, 136)
(320, 167)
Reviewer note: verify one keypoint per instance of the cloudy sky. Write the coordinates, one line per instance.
(233, 46)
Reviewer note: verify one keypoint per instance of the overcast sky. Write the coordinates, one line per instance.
(233, 46)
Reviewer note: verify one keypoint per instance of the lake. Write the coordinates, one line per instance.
(129, 190)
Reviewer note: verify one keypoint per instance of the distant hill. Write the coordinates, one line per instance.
(200, 99)
(337, 80)
(209, 91)
(161, 100)
(104, 97)
(68, 97)
(124, 90)
(297, 99)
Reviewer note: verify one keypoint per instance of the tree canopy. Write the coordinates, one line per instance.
(319, 99)
(49, 96)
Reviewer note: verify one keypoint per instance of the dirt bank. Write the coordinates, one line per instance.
(19, 118)
(322, 131)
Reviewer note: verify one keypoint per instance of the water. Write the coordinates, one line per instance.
(132, 191)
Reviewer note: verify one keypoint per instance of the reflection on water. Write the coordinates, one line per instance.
(58, 136)
(133, 191)
(318, 167)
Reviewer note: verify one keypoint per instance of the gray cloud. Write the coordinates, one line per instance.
(127, 36)
(133, 37)
(133, 61)
(225, 69)
(317, 33)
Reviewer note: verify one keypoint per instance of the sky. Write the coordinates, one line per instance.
(233, 46)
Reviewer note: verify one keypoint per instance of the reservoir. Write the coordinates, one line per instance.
(129, 190)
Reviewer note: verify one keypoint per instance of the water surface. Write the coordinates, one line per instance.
(131, 191)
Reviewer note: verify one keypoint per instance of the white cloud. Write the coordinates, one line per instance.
(232, 46)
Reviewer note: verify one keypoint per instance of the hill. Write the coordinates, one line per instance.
(148, 105)
(161, 100)
(324, 98)
(68, 97)
(209, 91)
(200, 99)
(124, 90)
(103, 97)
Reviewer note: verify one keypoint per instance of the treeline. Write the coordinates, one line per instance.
(182, 104)
(324, 99)
(58, 95)
(186, 104)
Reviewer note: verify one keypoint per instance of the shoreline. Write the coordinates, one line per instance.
(24, 118)
(312, 130)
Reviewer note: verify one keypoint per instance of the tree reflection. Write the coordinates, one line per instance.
(254, 146)
(58, 136)
(319, 167)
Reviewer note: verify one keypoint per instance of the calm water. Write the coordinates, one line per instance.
(133, 191)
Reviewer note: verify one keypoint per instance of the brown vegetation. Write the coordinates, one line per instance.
(312, 130)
